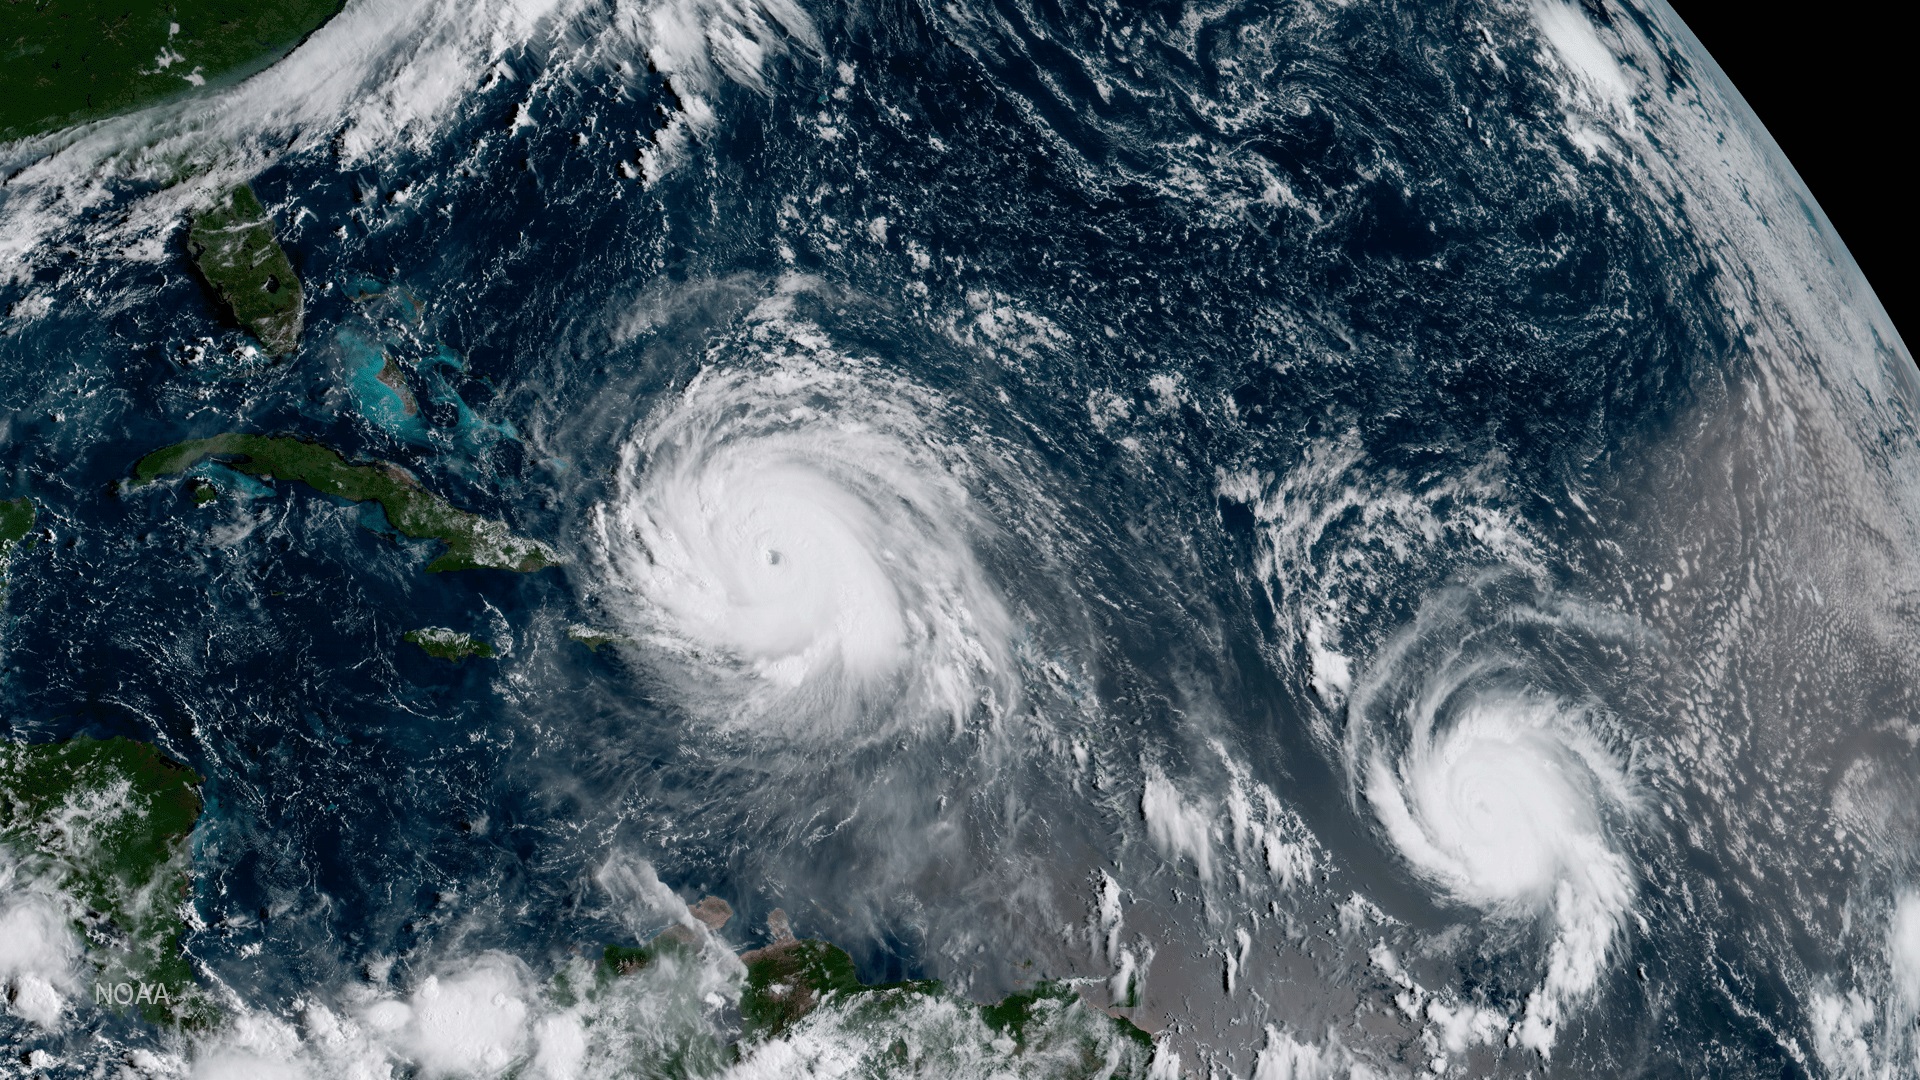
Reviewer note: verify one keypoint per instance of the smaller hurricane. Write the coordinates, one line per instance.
(799, 541)
(1484, 761)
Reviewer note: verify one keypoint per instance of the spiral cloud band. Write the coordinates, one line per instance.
(1499, 805)
(799, 540)
(1500, 793)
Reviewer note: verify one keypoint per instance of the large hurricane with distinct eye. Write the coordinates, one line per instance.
(1490, 771)
(799, 540)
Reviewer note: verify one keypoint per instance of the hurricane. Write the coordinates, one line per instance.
(723, 538)
(798, 536)
(1498, 787)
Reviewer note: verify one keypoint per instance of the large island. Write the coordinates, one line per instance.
(16, 521)
(472, 542)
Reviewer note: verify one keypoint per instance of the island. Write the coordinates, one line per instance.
(66, 62)
(594, 640)
(395, 380)
(102, 825)
(16, 521)
(444, 644)
(916, 1027)
(472, 542)
(233, 249)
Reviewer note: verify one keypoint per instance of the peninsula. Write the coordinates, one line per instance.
(233, 248)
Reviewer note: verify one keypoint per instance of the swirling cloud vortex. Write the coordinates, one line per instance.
(1505, 797)
(800, 541)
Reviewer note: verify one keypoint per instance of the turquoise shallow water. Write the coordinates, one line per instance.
(1374, 541)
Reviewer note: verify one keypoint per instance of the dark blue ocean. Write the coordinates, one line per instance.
(1379, 539)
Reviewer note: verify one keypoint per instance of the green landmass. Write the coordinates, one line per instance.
(808, 993)
(472, 542)
(789, 980)
(107, 821)
(617, 960)
(65, 62)
(669, 983)
(444, 644)
(16, 521)
(233, 248)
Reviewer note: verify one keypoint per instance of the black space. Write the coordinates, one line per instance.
(1835, 86)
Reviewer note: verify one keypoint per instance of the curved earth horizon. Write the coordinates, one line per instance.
(698, 539)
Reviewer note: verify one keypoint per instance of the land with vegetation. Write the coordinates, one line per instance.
(444, 644)
(105, 822)
(810, 990)
(472, 542)
(16, 521)
(788, 980)
(66, 62)
(233, 248)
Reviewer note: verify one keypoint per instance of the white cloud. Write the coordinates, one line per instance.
(1176, 827)
(1577, 45)
(38, 949)
(1903, 949)
(470, 1022)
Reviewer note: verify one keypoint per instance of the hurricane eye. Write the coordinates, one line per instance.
(1502, 786)
(885, 619)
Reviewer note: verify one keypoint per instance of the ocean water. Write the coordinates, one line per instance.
(1374, 540)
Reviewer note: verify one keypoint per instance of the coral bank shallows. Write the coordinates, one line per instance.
(994, 540)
